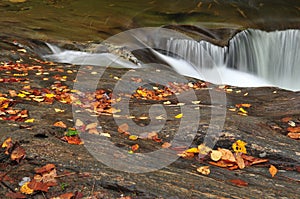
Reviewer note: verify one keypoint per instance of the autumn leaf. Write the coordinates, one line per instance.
(31, 120)
(18, 153)
(60, 124)
(7, 144)
(66, 196)
(91, 126)
(15, 195)
(294, 135)
(203, 149)
(73, 140)
(166, 145)
(25, 189)
(204, 170)
(215, 155)
(239, 160)
(123, 128)
(239, 146)
(238, 182)
(38, 186)
(227, 155)
(294, 129)
(179, 116)
(192, 150)
(273, 170)
(133, 137)
(135, 147)
(44, 169)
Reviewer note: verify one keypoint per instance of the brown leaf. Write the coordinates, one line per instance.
(204, 170)
(273, 170)
(7, 144)
(44, 169)
(18, 153)
(16, 195)
(123, 128)
(238, 182)
(221, 163)
(38, 186)
(66, 196)
(286, 119)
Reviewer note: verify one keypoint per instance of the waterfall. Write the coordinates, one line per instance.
(252, 58)
(270, 56)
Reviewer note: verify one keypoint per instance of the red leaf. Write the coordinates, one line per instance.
(45, 168)
(238, 182)
(16, 195)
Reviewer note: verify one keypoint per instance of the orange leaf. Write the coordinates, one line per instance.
(135, 147)
(294, 135)
(166, 145)
(286, 119)
(204, 170)
(273, 170)
(221, 163)
(60, 124)
(238, 182)
(73, 140)
(294, 129)
(7, 144)
(243, 105)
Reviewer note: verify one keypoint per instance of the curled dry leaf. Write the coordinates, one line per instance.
(227, 155)
(294, 135)
(204, 170)
(203, 150)
(45, 169)
(7, 144)
(294, 129)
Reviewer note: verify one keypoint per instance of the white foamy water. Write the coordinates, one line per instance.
(253, 58)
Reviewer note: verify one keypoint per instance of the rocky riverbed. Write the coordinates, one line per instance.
(36, 110)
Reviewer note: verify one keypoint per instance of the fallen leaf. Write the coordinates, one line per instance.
(227, 155)
(294, 135)
(25, 189)
(204, 170)
(239, 146)
(239, 160)
(286, 119)
(57, 110)
(192, 150)
(166, 145)
(73, 140)
(179, 116)
(133, 137)
(273, 170)
(91, 126)
(12, 93)
(29, 120)
(66, 196)
(18, 153)
(135, 147)
(38, 186)
(221, 163)
(79, 123)
(60, 124)
(243, 105)
(7, 144)
(238, 182)
(44, 169)
(215, 155)
(294, 129)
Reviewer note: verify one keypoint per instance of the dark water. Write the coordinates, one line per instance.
(85, 20)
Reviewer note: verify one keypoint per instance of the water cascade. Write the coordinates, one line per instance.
(253, 58)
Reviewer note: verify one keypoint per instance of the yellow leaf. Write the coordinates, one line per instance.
(243, 110)
(57, 110)
(192, 150)
(25, 92)
(179, 116)
(21, 95)
(133, 137)
(239, 146)
(25, 189)
(50, 95)
(7, 143)
(29, 120)
(273, 170)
